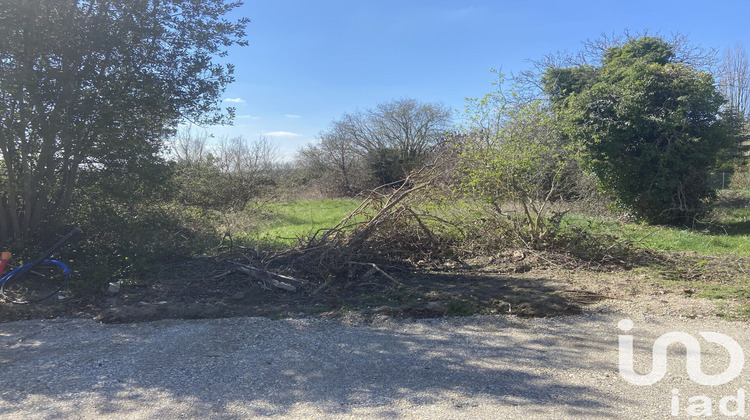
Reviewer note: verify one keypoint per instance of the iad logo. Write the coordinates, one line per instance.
(693, 356)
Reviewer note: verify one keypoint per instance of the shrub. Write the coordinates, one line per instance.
(513, 159)
(121, 241)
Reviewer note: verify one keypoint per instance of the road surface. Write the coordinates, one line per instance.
(479, 367)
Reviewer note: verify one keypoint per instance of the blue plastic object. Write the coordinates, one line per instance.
(22, 269)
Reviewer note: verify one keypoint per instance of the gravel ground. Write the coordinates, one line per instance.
(475, 367)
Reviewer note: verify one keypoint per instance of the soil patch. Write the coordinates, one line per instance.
(196, 289)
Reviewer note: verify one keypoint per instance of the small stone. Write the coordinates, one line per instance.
(238, 296)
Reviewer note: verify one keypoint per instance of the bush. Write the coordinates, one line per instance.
(740, 179)
(651, 128)
(513, 158)
(203, 185)
(121, 241)
(130, 223)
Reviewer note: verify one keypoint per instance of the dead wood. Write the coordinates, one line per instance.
(267, 278)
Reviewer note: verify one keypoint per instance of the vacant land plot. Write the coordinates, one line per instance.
(692, 273)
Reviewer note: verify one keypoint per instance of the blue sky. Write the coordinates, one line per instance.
(309, 62)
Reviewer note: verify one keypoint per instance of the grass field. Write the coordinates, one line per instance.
(282, 224)
(726, 232)
(715, 240)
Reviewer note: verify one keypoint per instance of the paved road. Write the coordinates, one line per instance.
(473, 368)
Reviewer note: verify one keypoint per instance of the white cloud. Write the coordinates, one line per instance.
(248, 117)
(282, 134)
(235, 100)
(293, 116)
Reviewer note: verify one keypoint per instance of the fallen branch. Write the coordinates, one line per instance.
(268, 278)
(379, 270)
(323, 286)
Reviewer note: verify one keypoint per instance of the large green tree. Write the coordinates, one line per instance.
(651, 127)
(95, 86)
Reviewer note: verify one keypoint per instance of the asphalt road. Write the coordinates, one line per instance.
(481, 367)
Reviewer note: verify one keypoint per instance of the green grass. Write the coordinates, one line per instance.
(676, 239)
(278, 225)
(729, 234)
(726, 233)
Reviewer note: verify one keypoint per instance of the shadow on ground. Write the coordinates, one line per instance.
(249, 367)
(177, 293)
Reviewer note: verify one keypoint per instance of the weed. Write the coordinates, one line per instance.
(461, 307)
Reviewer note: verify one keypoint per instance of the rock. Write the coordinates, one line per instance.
(114, 287)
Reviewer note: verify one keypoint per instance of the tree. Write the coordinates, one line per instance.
(334, 159)
(96, 86)
(189, 147)
(396, 136)
(533, 79)
(246, 169)
(228, 176)
(651, 127)
(734, 79)
(377, 146)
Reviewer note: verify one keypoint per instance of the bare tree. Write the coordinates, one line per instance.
(229, 176)
(247, 168)
(246, 159)
(407, 125)
(382, 144)
(734, 79)
(334, 160)
(189, 147)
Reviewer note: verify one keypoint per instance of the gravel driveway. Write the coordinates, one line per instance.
(475, 367)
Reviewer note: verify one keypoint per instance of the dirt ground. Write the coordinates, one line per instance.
(517, 283)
